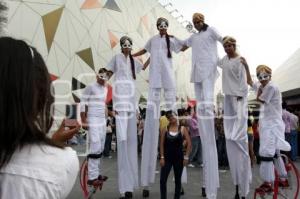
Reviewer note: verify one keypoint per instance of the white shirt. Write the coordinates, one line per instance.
(271, 109)
(204, 53)
(43, 172)
(94, 96)
(124, 90)
(234, 80)
(161, 70)
(270, 118)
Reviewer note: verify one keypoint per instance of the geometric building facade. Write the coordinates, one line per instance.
(77, 37)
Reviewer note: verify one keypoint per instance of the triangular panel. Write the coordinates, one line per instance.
(91, 4)
(112, 5)
(50, 22)
(76, 85)
(87, 56)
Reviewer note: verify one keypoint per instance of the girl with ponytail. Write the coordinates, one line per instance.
(125, 67)
(161, 75)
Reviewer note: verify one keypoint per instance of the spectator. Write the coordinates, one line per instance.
(294, 136)
(31, 164)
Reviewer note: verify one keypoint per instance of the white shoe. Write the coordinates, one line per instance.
(191, 165)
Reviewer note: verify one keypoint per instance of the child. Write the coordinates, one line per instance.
(271, 130)
(171, 150)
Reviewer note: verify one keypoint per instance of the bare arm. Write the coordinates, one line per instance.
(249, 79)
(188, 141)
(139, 53)
(146, 64)
(161, 148)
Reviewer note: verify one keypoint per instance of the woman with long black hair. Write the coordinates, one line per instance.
(32, 165)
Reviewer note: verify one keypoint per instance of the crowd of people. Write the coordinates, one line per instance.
(193, 137)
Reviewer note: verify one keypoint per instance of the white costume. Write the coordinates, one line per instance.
(161, 75)
(271, 131)
(203, 75)
(94, 97)
(124, 103)
(234, 83)
(39, 171)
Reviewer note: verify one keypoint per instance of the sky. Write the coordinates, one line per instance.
(267, 31)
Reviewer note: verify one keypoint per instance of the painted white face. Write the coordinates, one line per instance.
(103, 76)
(263, 76)
(163, 26)
(127, 44)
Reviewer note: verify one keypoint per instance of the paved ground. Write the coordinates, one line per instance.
(192, 189)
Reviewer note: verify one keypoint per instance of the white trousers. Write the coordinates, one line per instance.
(151, 132)
(97, 134)
(235, 127)
(126, 124)
(239, 163)
(266, 169)
(205, 112)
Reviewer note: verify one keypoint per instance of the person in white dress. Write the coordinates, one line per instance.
(161, 76)
(235, 88)
(93, 117)
(203, 75)
(32, 165)
(124, 68)
(271, 130)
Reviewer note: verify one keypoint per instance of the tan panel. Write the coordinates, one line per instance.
(113, 39)
(87, 56)
(50, 23)
(91, 4)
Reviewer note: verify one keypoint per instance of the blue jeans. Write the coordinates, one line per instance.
(196, 150)
(292, 138)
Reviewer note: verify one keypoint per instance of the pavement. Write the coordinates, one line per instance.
(192, 188)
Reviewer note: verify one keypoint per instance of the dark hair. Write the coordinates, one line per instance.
(132, 66)
(25, 98)
(168, 45)
(102, 70)
(284, 105)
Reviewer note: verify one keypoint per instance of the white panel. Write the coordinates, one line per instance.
(42, 9)
(39, 40)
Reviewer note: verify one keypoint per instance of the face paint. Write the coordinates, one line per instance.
(163, 26)
(102, 76)
(263, 76)
(126, 44)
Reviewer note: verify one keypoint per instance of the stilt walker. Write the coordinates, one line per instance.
(235, 88)
(203, 75)
(93, 117)
(125, 67)
(161, 75)
(271, 130)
